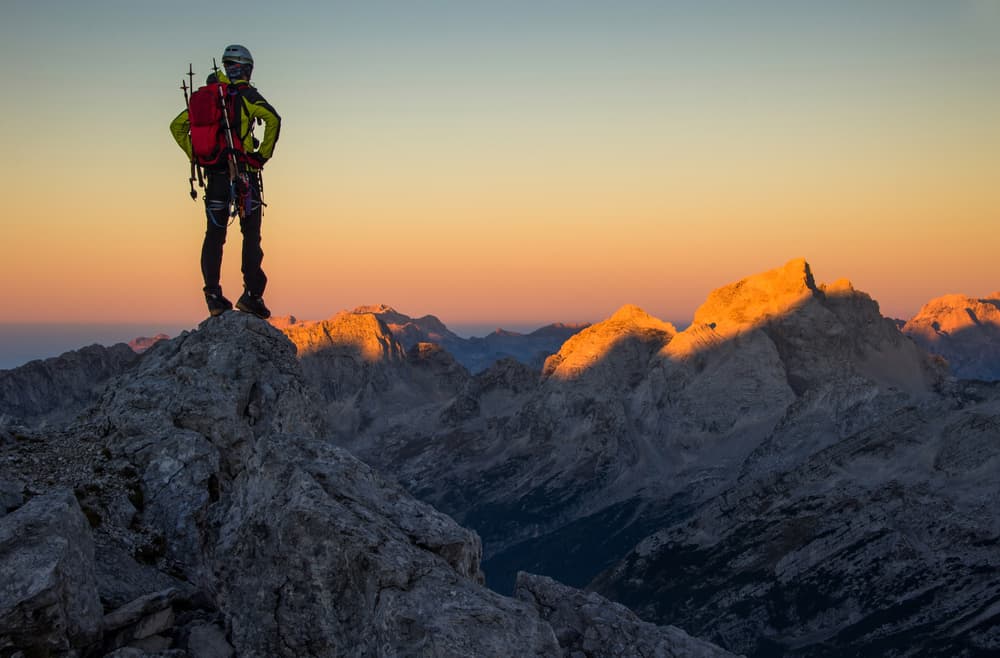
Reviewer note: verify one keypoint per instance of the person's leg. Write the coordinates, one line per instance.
(254, 279)
(216, 218)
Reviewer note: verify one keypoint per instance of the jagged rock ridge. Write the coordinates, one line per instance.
(476, 354)
(56, 389)
(634, 427)
(222, 513)
(632, 408)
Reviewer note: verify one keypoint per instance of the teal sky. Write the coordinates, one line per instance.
(643, 152)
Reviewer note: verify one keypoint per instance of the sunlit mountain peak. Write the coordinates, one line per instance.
(629, 336)
(362, 334)
(964, 330)
(376, 309)
(632, 314)
(950, 313)
(753, 300)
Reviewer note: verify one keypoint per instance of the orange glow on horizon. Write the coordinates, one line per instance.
(611, 157)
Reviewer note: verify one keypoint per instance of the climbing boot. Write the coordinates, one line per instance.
(253, 304)
(217, 304)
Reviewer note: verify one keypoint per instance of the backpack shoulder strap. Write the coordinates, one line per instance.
(238, 89)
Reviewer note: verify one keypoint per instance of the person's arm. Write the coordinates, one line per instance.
(258, 108)
(180, 128)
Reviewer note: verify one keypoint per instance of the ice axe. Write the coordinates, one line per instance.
(185, 87)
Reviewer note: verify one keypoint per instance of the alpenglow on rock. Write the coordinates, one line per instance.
(963, 330)
(476, 354)
(636, 430)
(618, 348)
(822, 332)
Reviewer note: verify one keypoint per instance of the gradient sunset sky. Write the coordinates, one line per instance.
(508, 162)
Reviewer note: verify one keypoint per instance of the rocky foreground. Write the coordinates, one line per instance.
(791, 475)
(200, 509)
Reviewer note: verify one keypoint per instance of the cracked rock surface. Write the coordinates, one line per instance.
(211, 515)
(306, 551)
(588, 624)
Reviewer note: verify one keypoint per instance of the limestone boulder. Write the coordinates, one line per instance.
(48, 594)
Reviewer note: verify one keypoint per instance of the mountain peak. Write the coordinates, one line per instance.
(838, 287)
(951, 315)
(962, 329)
(362, 334)
(281, 322)
(753, 300)
(630, 332)
(387, 314)
(376, 309)
(821, 332)
(630, 313)
(954, 311)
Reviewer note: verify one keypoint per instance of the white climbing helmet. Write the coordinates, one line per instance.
(237, 53)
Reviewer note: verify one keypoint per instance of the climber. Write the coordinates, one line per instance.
(233, 172)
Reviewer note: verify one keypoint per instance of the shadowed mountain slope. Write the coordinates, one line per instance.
(632, 424)
(56, 389)
(881, 544)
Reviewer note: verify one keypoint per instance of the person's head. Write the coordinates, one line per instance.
(238, 62)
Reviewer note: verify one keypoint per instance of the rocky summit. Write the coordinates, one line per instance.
(201, 508)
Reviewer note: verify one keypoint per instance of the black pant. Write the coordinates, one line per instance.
(217, 194)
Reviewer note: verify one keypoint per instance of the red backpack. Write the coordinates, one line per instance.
(207, 112)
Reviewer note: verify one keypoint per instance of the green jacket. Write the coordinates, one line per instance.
(254, 108)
